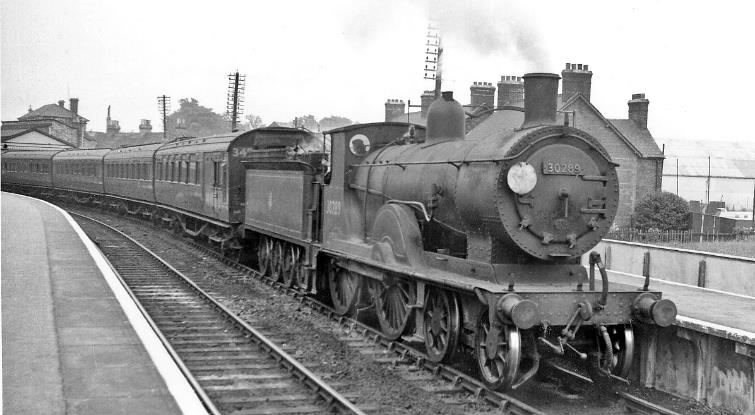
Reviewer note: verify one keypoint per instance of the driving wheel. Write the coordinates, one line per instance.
(498, 351)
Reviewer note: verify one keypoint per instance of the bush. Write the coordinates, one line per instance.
(661, 210)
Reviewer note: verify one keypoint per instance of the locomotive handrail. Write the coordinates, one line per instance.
(458, 163)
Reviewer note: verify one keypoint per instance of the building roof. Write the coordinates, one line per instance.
(50, 111)
(639, 136)
(413, 118)
(117, 140)
(497, 123)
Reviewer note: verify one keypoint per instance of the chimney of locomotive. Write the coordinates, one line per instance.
(445, 119)
(577, 80)
(482, 94)
(540, 96)
(393, 108)
(510, 89)
(638, 109)
(427, 98)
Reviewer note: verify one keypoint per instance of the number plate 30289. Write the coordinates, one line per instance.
(567, 168)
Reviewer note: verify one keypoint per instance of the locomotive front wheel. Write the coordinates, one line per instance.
(622, 343)
(264, 255)
(345, 287)
(392, 306)
(441, 317)
(497, 352)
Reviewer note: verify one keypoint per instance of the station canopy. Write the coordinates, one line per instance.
(731, 159)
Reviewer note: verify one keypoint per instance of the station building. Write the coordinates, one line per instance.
(49, 127)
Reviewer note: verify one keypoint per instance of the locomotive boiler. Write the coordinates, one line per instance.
(543, 192)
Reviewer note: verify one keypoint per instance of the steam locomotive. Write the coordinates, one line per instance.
(466, 245)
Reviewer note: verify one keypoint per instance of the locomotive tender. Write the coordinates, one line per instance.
(466, 245)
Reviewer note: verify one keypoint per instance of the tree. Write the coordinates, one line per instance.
(306, 121)
(194, 120)
(333, 122)
(253, 121)
(663, 211)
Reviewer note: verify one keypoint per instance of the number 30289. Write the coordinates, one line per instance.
(562, 168)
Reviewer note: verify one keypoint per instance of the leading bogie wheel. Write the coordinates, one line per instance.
(498, 352)
(393, 308)
(345, 288)
(441, 324)
(622, 343)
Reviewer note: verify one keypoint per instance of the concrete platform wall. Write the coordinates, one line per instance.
(692, 364)
(719, 272)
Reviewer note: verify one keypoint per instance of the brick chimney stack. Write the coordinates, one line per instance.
(75, 105)
(62, 103)
(510, 89)
(393, 108)
(638, 110)
(482, 94)
(145, 127)
(577, 79)
(427, 98)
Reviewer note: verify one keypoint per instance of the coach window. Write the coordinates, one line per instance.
(191, 172)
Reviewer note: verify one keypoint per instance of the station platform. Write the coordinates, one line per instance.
(73, 342)
(718, 313)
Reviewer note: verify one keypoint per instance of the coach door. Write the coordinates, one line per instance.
(216, 197)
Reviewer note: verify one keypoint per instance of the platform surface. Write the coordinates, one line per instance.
(715, 312)
(67, 345)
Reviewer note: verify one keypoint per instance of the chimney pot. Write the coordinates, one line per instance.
(568, 65)
(638, 109)
(61, 103)
(74, 105)
(576, 80)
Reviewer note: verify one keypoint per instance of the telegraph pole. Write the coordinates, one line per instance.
(235, 101)
(163, 106)
(433, 55)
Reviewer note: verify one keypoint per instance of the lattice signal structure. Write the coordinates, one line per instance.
(235, 103)
(433, 55)
(163, 106)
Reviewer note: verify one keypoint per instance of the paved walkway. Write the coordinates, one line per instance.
(68, 346)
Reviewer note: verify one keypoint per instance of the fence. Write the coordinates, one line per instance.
(649, 236)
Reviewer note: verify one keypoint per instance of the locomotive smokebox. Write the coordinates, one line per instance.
(445, 119)
(540, 99)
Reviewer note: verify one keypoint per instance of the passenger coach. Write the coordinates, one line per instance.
(31, 169)
(80, 171)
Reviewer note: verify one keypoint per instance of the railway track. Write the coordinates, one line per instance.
(412, 363)
(233, 367)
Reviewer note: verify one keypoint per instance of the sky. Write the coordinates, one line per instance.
(692, 59)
